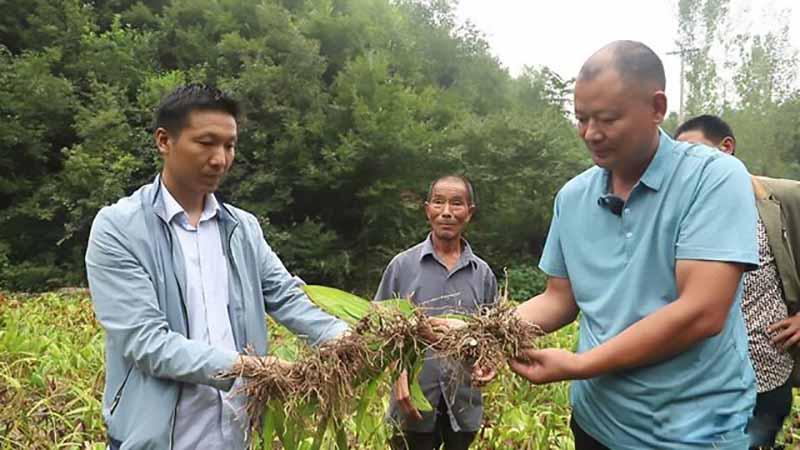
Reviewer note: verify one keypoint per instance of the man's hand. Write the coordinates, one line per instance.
(247, 364)
(403, 396)
(548, 365)
(788, 332)
(443, 325)
(481, 376)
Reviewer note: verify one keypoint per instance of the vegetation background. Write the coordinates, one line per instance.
(352, 107)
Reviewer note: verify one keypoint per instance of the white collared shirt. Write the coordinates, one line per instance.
(206, 418)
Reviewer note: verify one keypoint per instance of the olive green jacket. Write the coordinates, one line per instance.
(778, 203)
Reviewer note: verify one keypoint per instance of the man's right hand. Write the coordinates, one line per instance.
(402, 394)
(246, 364)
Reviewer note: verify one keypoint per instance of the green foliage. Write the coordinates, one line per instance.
(524, 282)
(51, 381)
(352, 107)
(749, 79)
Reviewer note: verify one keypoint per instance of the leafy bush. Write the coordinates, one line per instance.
(525, 281)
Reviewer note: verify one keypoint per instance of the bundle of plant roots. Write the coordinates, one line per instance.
(384, 334)
(488, 339)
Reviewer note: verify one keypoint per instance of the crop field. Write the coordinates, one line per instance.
(51, 379)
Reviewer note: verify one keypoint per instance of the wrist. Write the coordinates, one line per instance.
(585, 366)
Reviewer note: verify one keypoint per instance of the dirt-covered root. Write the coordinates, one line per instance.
(489, 338)
(330, 375)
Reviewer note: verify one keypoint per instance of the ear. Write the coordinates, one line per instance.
(659, 107)
(472, 208)
(728, 145)
(426, 206)
(163, 141)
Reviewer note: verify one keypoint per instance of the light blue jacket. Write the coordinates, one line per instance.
(137, 279)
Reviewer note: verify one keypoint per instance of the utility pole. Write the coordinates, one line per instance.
(682, 52)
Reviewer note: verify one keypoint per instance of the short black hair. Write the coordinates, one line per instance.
(470, 190)
(632, 60)
(713, 128)
(173, 111)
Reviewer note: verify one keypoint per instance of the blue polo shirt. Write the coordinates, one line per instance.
(693, 202)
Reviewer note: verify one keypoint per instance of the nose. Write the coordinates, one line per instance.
(218, 157)
(591, 132)
(446, 212)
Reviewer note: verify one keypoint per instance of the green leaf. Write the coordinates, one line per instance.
(268, 427)
(401, 304)
(418, 397)
(345, 306)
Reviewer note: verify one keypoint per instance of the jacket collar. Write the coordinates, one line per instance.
(154, 200)
(761, 190)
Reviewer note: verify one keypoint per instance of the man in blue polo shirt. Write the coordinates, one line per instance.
(649, 246)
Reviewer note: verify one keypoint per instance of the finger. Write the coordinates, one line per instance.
(521, 368)
(415, 414)
(483, 374)
(781, 337)
(778, 326)
(792, 341)
(402, 387)
(527, 355)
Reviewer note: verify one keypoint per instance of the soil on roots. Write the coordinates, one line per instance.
(329, 376)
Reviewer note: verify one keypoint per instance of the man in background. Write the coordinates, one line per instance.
(441, 275)
(771, 293)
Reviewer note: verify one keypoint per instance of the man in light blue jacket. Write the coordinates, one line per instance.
(181, 283)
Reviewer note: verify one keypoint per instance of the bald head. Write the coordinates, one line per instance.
(633, 61)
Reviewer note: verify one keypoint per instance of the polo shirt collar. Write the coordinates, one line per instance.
(654, 174)
(466, 251)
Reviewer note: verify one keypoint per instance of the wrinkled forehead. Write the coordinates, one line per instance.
(450, 188)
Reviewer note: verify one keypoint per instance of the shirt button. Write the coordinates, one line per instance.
(627, 210)
(628, 235)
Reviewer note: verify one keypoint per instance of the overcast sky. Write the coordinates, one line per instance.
(561, 34)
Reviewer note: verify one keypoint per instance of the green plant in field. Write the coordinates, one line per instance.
(51, 373)
(305, 404)
(51, 378)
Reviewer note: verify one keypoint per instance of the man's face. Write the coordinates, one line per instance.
(197, 159)
(449, 209)
(616, 120)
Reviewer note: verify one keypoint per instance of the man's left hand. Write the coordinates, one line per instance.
(481, 376)
(788, 332)
(548, 365)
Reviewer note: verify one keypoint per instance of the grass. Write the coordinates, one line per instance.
(51, 380)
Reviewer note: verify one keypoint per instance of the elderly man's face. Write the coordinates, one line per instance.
(449, 209)
(616, 120)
